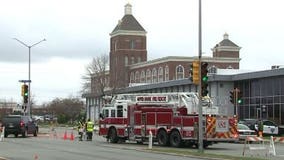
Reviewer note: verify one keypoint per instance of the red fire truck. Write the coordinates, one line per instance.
(171, 117)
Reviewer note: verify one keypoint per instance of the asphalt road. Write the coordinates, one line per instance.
(53, 146)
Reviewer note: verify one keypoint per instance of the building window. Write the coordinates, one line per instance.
(148, 76)
(132, 77)
(212, 70)
(230, 67)
(132, 44)
(139, 59)
(137, 77)
(154, 75)
(126, 60)
(179, 72)
(132, 60)
(160, 74)
(142, 77)
(115, 45)
(167, 73)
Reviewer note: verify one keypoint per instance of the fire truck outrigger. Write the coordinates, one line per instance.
(171, 117)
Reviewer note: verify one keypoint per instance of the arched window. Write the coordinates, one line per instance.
(167, 73)
(126, 60)
(160, 74)
(142, 77)
(148, 76)
(139, 59)
(137, 76)
(116, 45)
(132, 60)
(230, 67)
(132, 44)
(132, 77)
(154, 75)
(179, 72)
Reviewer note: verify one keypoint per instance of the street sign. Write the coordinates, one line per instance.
(25, 81)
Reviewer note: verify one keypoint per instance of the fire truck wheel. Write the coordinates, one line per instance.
(163, 138)
(113, 135)
(175, 139)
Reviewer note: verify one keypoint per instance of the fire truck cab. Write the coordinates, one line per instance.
(171, 117)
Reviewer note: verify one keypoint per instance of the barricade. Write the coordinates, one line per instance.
(272, 150)
(255, 147)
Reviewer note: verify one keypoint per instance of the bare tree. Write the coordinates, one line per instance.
(67, 109)
(96, 79)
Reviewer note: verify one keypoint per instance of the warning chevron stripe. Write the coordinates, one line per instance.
(254, 139)
(278, 139)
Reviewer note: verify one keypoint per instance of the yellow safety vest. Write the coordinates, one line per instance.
(90, 126)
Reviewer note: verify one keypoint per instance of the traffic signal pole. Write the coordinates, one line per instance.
(29, 76)
(200, 113)
(236, 101)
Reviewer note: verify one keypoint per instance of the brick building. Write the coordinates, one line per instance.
(129, 65)
(128, 56)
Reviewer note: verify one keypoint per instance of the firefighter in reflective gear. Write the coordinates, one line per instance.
(89, 129)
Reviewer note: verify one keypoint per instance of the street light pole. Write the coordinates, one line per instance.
(29, 80)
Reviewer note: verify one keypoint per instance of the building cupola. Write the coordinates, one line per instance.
(226, 48)
(128, 24)
(128, 9)
(226, 36)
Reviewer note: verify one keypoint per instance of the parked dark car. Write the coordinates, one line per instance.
(251, 123)
(269, 127)
(18, 124)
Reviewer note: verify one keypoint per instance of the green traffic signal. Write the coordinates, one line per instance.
(240, 101)
(26, 93)
(205, 78)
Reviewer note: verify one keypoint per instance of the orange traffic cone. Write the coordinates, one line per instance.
(72, 136)
(35, 157)
(65, 135)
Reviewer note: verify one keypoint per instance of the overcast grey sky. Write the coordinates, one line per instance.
(77, 30)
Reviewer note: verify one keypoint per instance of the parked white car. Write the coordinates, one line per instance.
(38, 118)
(245, 131)
(269, 127)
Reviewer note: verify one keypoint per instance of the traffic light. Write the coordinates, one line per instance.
(232, 96)
(239, 97)
(23, 90)
(191, 71)
(195, 72)
(204, 79)
(26, 93)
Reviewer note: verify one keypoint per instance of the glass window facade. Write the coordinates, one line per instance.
(262, 98)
